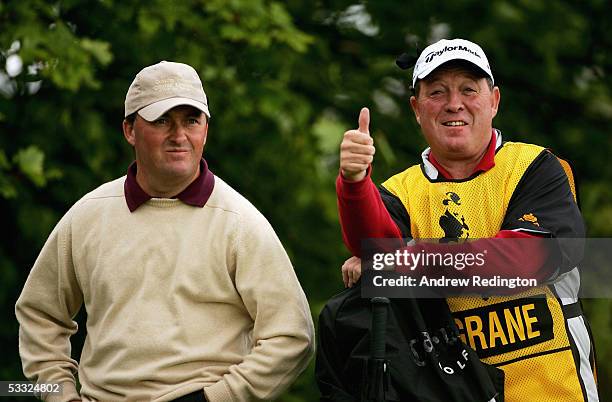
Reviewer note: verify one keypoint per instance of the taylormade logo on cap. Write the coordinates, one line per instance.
(429, 57)
(162, 86)
(446, 50)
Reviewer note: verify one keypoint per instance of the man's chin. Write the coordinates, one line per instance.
(459, 147)
(180, 169)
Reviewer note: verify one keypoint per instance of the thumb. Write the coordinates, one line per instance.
(364, 120)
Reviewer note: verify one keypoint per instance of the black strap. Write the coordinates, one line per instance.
(572, 310)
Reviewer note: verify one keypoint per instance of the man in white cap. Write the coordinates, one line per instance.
(471, 184)
(189, 293)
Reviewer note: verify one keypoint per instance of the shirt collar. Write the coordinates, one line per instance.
(433, 169)
(196, 193)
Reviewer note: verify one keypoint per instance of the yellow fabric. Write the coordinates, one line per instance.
(570, 176)
(547, 378)
(514, 331)
(484, 212)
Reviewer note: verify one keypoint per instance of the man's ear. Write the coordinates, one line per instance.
(128, 132)
(415, 108)
(206, 132)
(496, 98)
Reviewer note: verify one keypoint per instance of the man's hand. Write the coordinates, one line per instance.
(357, 149)
(351, 271)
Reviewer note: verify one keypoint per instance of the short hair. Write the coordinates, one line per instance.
(131, 118)
(455, 65)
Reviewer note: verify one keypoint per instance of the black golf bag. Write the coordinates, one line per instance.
(424, 359)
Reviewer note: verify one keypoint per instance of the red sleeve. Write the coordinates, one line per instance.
(362, 213)
(526, 258)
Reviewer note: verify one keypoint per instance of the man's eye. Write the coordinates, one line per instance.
(193, 121)
(435, 92)
(160, 122)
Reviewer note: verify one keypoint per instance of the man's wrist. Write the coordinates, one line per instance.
(352, 189)
(352, 178)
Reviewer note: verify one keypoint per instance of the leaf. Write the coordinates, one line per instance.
(4, 162)
(7, 189)
(99, 49)
(30, 161)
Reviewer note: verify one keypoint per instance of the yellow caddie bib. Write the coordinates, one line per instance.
(525, 334)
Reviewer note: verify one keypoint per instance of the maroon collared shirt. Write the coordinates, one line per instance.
(196, 193)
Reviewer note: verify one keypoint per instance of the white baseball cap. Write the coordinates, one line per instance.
(445, 50)
(162, 86)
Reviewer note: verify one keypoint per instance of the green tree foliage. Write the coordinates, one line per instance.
(284, 80)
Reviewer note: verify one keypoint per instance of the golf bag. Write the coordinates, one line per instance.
(424, 359)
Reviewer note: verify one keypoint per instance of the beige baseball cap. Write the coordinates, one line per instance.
(446, 50)
(162, 86)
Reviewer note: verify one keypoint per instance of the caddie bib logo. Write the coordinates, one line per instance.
(452, 221)
(530, 218)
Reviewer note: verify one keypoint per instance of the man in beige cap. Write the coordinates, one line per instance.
(189, 293)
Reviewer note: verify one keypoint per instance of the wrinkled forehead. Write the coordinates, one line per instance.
(456, 67)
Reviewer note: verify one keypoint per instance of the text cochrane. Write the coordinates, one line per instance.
(430, 56)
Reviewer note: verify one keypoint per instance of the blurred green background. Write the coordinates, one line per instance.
(284, 80)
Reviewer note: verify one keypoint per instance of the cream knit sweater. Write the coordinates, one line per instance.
(178, 299)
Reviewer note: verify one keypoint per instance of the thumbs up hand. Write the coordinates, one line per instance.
(357, 149)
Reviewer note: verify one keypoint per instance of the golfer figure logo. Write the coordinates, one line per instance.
(452, 222)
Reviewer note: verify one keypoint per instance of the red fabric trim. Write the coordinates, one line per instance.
(443, 172)
(486, 162)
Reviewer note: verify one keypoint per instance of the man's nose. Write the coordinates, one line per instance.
(455, 102)
(177, 131)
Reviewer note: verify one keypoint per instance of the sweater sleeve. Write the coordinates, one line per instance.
(282, 332)
(50, 299)
(363, 214)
